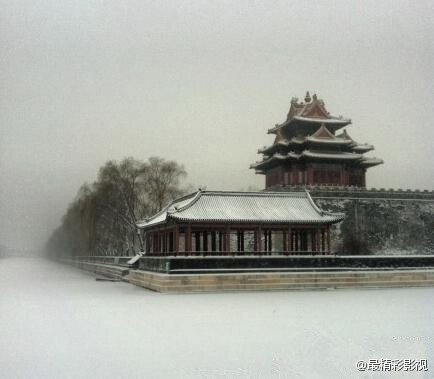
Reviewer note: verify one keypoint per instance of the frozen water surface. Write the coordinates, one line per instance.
(58, 322)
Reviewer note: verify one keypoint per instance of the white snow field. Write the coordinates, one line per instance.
(58, 322)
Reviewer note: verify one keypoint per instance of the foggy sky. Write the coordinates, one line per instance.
(200, 82)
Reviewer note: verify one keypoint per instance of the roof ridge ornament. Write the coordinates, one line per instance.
(307, 98)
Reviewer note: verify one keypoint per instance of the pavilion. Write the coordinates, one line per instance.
(239, 223)
(308, 151)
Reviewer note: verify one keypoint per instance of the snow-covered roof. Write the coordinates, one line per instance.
(310, 154)
(331, 120)
(334, 141)
(362, 147)
(337, 155)
(312, 111)
(258, 207)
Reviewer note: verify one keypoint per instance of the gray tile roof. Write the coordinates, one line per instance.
(257, 207)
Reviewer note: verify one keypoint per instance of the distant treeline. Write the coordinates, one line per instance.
(102, 218)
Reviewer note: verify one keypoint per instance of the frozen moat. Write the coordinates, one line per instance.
(58, 322)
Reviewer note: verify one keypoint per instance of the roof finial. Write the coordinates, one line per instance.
(307, 99)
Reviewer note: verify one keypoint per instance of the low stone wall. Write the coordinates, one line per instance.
(261, 281)
(180, 265)
(280, 281)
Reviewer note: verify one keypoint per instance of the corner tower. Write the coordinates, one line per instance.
(307, 150)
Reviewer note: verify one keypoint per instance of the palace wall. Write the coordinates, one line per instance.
(377, 221)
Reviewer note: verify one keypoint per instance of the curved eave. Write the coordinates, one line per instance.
(362, 148)
(308, 155)
(267, 161)
(343, 156)
(307, 141)
(151, 225)
(325, 141)
(335, 123)
(327, 121)
(162, 216)
(327, 219)
(272, 148)
(371, 162)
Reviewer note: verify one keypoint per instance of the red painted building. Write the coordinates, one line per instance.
(308, 150)
(244, 223)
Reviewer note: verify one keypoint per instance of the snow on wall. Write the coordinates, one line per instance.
(382, 225)
(377, 220)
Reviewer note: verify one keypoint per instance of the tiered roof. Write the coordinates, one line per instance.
(309, 134)
(312, 111)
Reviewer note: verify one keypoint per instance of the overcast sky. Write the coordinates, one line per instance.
(200, 82)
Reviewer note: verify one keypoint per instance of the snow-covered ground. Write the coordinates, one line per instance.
(58, 322)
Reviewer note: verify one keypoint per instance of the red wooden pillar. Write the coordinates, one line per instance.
(167, 240)
(176, 241)
(285, 242)
(323, 240)
(154, 243)
(144, 238)
(188, 239)
(157, 242)
(289, 240)
(328, 240)
(259, 238)
(227, 240)
(320, 241)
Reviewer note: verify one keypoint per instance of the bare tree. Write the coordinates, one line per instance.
(102, 218)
